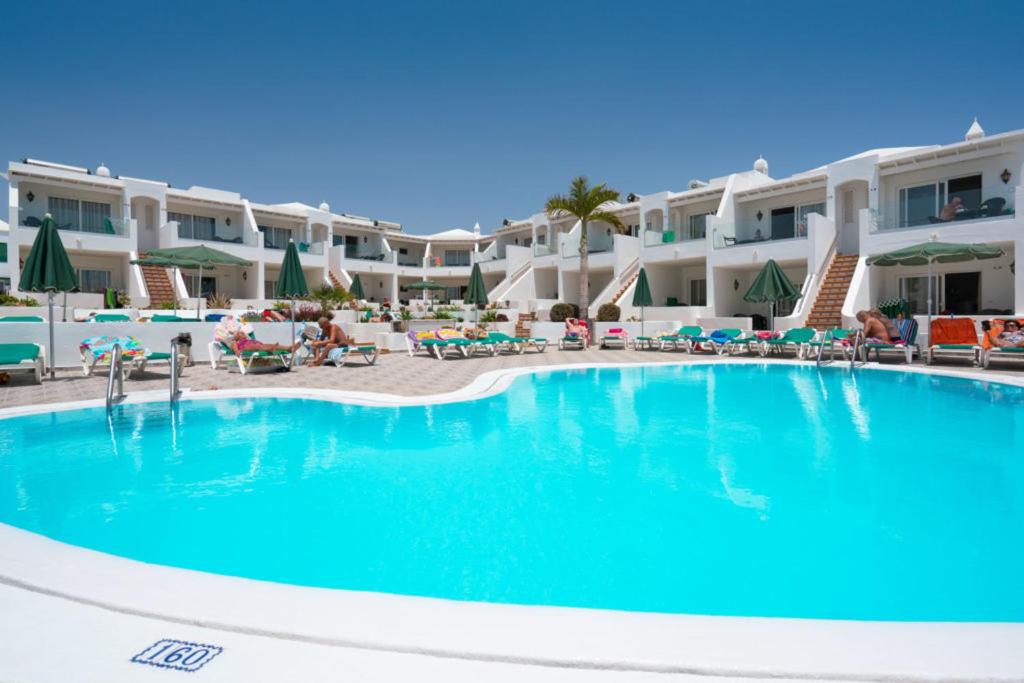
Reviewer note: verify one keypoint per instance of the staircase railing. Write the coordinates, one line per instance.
(115, 378)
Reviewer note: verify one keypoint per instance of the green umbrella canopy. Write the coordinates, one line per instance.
(291, 284)
(167, 262)
(356, 290)
(426, 284)
(771, 285)
(47, 267)
(476, 294)
(938, 252)
(642, 292)
(199, 256)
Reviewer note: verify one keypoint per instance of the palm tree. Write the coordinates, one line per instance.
(588, 204)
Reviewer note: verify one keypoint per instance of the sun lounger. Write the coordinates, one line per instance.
(161, 318)
(616, 338)
(517, 344)
(906, 346)
(955, 338)
(23, 358)
(990, 350)
(798, 338)
(831, 339)
(339, 356)
(21, 319)
(248, 360)
(98, 352)
(678, 340)
(110, 318)
(714, 342)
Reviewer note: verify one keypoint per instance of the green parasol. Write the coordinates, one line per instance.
(48, 269)
(200, 256)
(291, 283)
(771, 286)
(476, 294)
(642, 295)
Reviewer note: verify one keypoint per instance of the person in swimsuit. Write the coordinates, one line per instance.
(1011, 337)
(890, 326)
(874, 330)
(331, 337)
(241, 343)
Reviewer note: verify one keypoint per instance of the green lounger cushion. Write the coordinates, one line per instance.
(12, 354)
(951, 347)
(167, 319)
(158, 355)
(111, 318)
(1009, 350)
(21, 319)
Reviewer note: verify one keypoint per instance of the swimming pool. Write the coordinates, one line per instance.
(715, 489)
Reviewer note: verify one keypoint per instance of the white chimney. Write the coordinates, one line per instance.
(975, 132)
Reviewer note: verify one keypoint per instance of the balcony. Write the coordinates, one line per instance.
(543, 250)
(656, 238)
(747, 232)
(929, 205)
(90, 224)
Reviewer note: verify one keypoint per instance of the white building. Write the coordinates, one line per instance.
(701, 246)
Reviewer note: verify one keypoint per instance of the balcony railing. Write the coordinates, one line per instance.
(746, 233)
(543, 250)
(97, 225)
(654, 238)
(924, 210)
(311, 248)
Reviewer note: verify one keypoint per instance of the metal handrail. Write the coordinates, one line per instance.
(175, 390)
(116, 375)
(821, 349)
(858, 342)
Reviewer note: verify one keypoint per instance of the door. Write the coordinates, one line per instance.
(851, 199)
(963, 293)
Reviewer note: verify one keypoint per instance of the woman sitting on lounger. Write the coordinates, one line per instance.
(241, 343)
(1010, 338)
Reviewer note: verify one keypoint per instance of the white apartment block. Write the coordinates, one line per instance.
(701, 246)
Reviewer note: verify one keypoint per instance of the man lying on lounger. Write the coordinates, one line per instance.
(331, 337)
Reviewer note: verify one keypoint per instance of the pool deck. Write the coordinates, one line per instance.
(394, 374)
(67, 613)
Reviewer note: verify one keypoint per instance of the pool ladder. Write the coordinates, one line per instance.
(830, 342)
(115, 378)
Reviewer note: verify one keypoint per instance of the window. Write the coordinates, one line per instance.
(698, 292)
(3, 252)
(802, 213)
(847, 207)
(96, 217)
(64, 212)
(192, 285)
(93, 281)
(193, 227)
(915, 290)
(455, 293)
(270, 289)
(920, 204)
(698, 226)
(968, 189)
(275, 238)
(337, 240)
(783, 225)
(456, 257)
(5, 285)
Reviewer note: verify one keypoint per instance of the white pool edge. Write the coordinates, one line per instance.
(543, 636)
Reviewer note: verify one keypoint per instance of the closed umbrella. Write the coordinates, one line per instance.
(48, 269)
(771, 286)
(476, 293)
(356, 290)
(932, 252)
(642, 295)
(291, 284)
(200, 256)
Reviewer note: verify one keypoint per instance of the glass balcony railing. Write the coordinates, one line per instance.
(930, 205)
(311, 248)
(94, 224)
(367, 255)
(755, 232)
(654, 238)
(543, 250)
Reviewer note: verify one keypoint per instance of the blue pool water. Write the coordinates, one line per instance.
(730, 489)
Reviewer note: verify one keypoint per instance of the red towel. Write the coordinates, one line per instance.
(953, 331)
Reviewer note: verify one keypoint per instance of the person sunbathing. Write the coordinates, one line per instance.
(949, 211)
(874, 329)
(575, 328)
(890, 326)
(240, 343)
(331, 337)
(1010, 338)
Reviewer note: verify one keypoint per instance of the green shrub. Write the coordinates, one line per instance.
(559, 312)
(608, 313)
(168, 306)
(8, 300)
(442, 314)
(489, 316)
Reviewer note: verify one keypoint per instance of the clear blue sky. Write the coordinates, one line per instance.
(439, 114)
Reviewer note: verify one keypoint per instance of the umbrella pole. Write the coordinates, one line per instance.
(293, 320)
(930, 266)
(177, 272)
(199, 293)
(53, 373)
(64, 309)
(641, 321)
